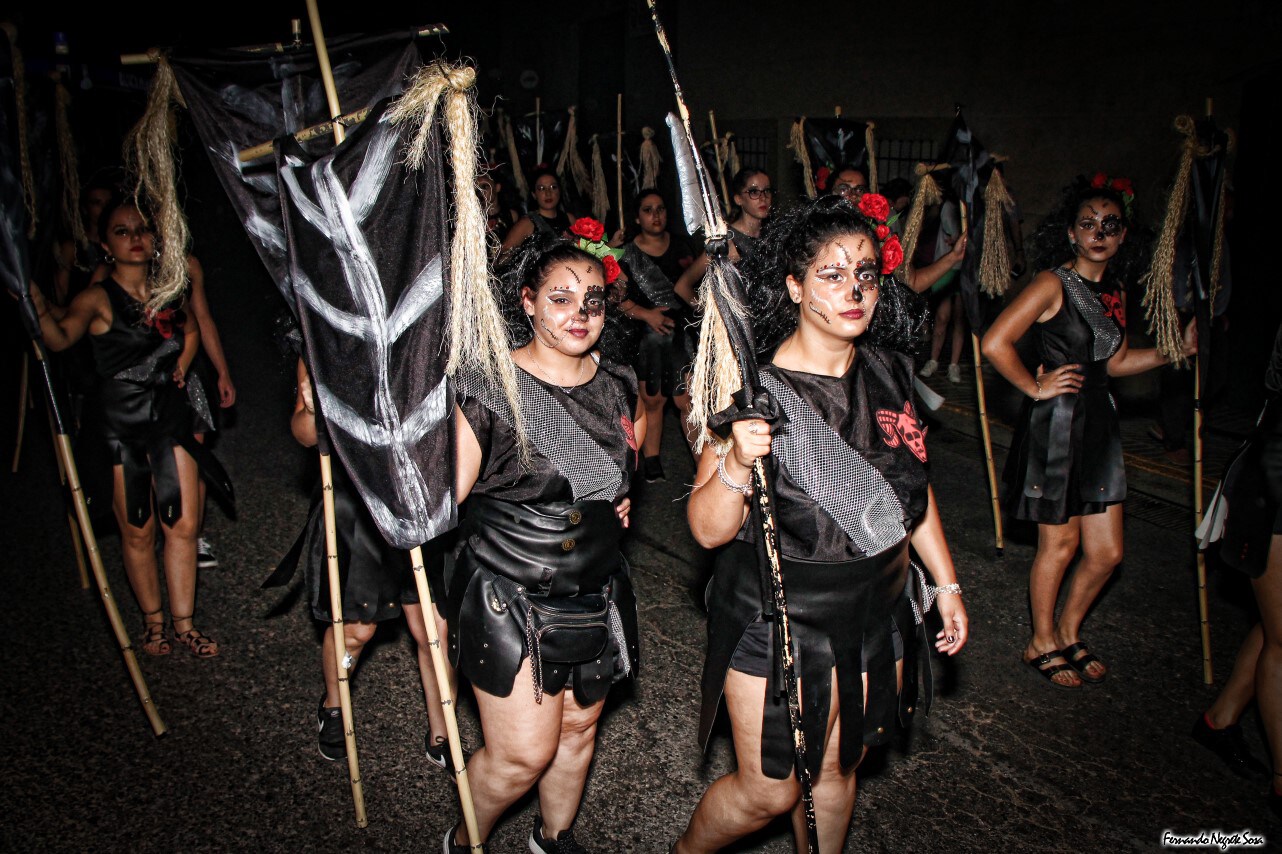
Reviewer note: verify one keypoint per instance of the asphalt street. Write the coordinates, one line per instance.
(1003, 762)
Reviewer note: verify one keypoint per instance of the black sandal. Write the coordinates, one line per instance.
(1042, 664)
(200, 644)
(155, 640)
(1079, 658)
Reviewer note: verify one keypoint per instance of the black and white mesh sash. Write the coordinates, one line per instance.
(1106, 334)
(648, 277)
(848, 487)
(591, 473)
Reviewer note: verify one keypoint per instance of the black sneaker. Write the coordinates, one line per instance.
(449, 846)
(564, 843)
(438, 752)
(205, 554)
(329, 726)
(1230, 745)
(652, 469)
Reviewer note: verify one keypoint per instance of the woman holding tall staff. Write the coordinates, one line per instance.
(540, 606)
(1065, 469)
(141, 411)
(851, 495)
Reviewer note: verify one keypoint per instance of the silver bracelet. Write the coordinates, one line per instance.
(949, 588)
(744, 489)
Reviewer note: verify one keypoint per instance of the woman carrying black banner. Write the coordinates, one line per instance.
(143, 415)
(540, 607)
(851, 495)
(655, 260)
(1065, 469)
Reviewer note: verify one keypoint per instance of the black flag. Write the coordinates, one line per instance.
(367, 257)
(239, 100)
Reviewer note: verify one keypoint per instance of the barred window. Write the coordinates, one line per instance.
(896, 158)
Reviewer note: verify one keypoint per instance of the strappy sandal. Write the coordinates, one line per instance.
(155, 640)
(1042, 664)
(1079, 657)
(200, 644)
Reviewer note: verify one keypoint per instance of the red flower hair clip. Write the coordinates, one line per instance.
(591, 236)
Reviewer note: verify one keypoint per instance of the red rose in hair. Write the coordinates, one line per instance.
(1123, 186)
(874, 206)
(1100, 180)
(821, 178)
(892, 255)
(882, 231)
(588, 228)
(609, 267)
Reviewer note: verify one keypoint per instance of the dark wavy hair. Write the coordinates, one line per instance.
(527, 265)
(790, 246)
(1049, 246)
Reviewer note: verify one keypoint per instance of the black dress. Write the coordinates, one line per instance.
(663, 358)
(138, 412)
(1066, 459)
(850, 481)
(547, 525)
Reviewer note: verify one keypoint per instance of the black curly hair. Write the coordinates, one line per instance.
(790, 246)
(527, 265)
(1049, 247)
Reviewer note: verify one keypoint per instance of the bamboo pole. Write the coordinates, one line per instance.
(618, 159)
(1203, 608)
(447, 697)
(62, 445)
(305, 135)
(23, 394)
(342, 659)
(152, 55)
(716, 152)
(988, 444)
(981, 400)
(76, 542)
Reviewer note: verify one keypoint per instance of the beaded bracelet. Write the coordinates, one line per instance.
(949, 588)
(744, 489)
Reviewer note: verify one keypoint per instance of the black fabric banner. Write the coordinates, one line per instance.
(239, 100)
(972, 166)
(540, 138)
(367, 257)
(835, 142)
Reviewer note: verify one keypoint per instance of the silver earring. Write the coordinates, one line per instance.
(110, 259)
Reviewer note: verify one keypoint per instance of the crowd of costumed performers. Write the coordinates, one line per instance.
(818, 472)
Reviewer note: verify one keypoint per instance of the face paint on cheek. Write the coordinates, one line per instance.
(556, 339)
(817, 311)
(593, 303)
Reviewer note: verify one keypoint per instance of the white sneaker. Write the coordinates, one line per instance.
(205, 554)
(954, 373)
(928, 369)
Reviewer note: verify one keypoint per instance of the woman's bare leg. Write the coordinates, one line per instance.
(427, 669)
(1268, 674)
(1101, 535)
(1056, 546)
(561, 786)
(521, 739)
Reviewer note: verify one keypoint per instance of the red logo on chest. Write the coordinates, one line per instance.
(1114, 308)
(902, 427)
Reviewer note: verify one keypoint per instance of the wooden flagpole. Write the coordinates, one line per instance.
(716, 152)
(1203, 607)
(67, 461)
(982, 406)
(618, 160)
(342, 659)
(416, 556)
(77, 542)
(23, 394)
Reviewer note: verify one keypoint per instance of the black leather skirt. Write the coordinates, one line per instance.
(554, 549)
(842, 615)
